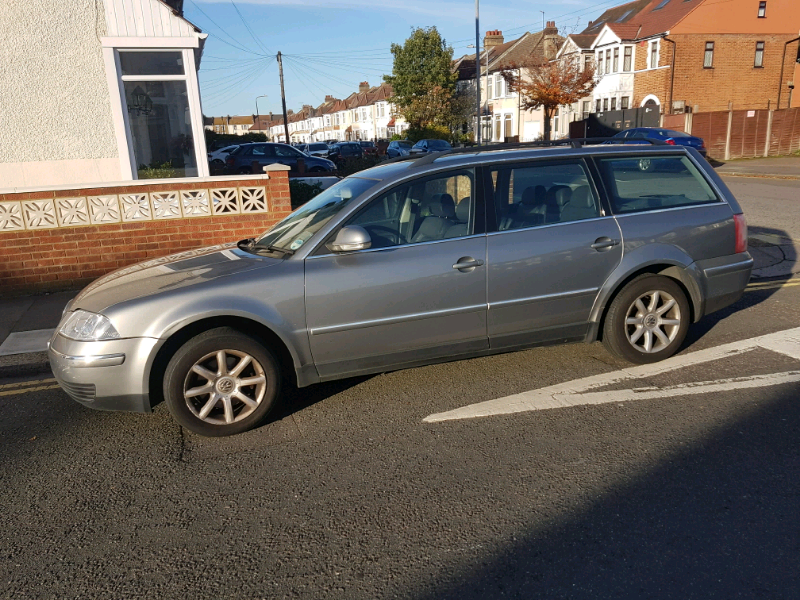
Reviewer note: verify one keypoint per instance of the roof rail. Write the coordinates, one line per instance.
(430, 157)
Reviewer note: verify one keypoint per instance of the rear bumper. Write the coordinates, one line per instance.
(724, 280)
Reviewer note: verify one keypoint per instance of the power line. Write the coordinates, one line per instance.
(252, 35)
(235, 44)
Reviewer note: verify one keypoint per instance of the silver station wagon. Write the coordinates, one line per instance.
(449, 256)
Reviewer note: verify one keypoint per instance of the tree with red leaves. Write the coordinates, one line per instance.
(548, 85)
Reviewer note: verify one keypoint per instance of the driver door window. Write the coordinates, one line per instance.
(427, 210)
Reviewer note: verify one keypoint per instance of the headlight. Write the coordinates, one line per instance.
(85, 326)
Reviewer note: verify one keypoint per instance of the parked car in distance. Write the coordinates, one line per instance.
(402, 265)
(315, 149)
(369, 148)
(241, 160)
(217, 157)
(398, 148)
(425, 146)
(668, 136)
(345, 150)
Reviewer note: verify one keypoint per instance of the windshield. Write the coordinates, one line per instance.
(404, 145)
(296, 229)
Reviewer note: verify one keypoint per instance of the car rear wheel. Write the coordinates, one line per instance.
(221, 382)
(647, 321)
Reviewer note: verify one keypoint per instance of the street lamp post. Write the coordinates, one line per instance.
(478, 72)
(257, 113)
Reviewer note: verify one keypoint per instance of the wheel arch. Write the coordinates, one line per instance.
(184, 333)
(677, 272)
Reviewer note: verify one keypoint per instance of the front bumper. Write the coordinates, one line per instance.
(110, 375)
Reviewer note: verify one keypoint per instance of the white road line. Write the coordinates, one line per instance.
(580, 391)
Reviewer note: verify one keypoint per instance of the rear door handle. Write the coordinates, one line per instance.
(602, 244)
(467, 262)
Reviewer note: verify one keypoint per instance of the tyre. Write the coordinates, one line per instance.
(218, 163)
(645, 164)
(647, 321)
(221, 382)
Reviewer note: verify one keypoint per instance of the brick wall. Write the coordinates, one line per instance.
(64, 238)
(732, 78)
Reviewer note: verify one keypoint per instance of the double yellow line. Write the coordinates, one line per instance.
(25, 387)
(771, 285)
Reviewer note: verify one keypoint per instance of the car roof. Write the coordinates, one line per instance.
(433, 162)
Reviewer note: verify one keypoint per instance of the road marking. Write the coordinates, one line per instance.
(23, 342)
(37, 388)
(581, 391)
(24, 383)
(769, 285)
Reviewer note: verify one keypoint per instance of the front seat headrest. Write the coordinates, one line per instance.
(444, 207)
(462, 210)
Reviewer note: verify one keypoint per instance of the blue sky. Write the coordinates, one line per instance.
(329, 46)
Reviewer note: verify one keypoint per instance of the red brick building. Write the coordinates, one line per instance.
(701, 54)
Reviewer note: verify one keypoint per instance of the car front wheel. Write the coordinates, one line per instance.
(648, 320)
(221, 382)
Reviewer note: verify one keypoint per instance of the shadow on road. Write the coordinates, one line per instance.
(717, 519)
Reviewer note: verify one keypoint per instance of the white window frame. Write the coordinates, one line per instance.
(653, 43)
(119, 112)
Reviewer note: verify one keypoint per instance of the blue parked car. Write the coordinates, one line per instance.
(668, 136)
(241, 160)
(398, 148)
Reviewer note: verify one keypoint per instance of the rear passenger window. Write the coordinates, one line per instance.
(654, 182)
(543, 194)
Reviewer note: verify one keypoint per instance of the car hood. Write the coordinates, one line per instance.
(166, 274)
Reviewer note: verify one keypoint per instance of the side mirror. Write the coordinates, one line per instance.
(350, 239)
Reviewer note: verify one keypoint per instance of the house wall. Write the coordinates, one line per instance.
(652, 81)
(55, 116)
(733, 77)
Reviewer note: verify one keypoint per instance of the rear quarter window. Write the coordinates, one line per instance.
(653, 182)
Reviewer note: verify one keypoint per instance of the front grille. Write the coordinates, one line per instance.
(82, 392)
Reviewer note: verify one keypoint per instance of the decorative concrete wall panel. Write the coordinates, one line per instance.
(39, 214)
(72, 212)
(253, 199)
(135, 207)
(104, 209)
(225, 201)
(166, 205)
(11, 216)
(195, 203)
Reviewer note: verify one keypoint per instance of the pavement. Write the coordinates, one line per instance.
(27, 322)
(778, 167)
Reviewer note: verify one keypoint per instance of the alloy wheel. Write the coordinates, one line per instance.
(653, 321)
(224, 387)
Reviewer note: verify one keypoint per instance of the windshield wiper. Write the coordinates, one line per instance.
(251, 245)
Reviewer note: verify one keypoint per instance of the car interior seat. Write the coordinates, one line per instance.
(443, 212)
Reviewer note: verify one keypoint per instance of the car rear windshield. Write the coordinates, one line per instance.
(405, 145)
(651, 182)
(317, 147)
(296, 229)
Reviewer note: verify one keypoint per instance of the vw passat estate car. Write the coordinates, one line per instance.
(448, 256)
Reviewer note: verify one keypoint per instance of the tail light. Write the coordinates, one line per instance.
(670, 141)
(741, 233)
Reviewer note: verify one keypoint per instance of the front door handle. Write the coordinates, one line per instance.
(466, 264)
(603, 244)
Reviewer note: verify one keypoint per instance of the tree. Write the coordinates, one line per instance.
(422, 79)
(548, 85)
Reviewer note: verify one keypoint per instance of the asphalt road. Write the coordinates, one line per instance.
(351, 494)
(769, 204)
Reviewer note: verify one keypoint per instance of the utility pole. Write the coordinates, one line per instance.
(283, 99)
(478, 123)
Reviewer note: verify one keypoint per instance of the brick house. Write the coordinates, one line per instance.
(701, 54)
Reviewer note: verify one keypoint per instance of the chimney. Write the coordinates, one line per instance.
(363, 87)
(493, 38)
(329, 98)
(550, 40)
(290, 112)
